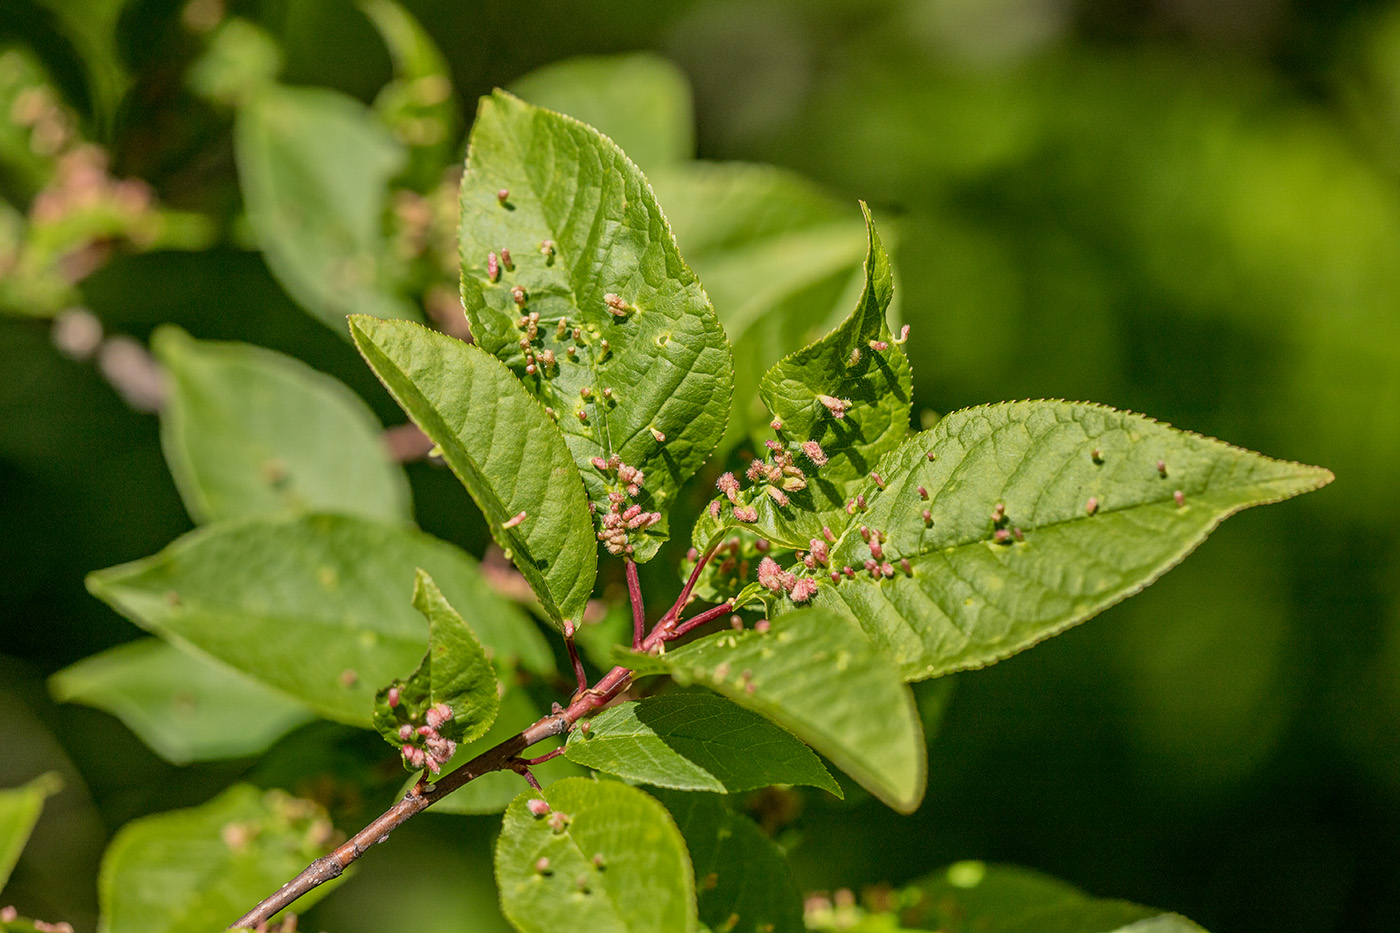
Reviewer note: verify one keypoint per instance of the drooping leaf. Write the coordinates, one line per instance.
(503, 448)
(605, 858)
(455, 678)
(418, 104)
(492, 792)
(196, 870)
(626, 351)
(1041, 514)
(742, 881)
(972, 897)
(639, 101)
(849, 395)
(816, 675)
(316, 607)
(248, 431)
(184, 706)
(695, 741)
(314, 168)
(19, 811)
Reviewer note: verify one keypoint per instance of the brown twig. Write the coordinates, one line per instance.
(639, 616)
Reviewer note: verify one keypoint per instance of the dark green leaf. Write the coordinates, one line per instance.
(694, 741)
(453, 692)
(19, 811)
(742, 880)
(971, 897)
(651, 381)
(605, 858)
(640, 101)
(248, 431)
(316, 606)
(1041, 515)
(817, 676)
(184, 706)
(314, 167)
(502, 447)
(194, 871)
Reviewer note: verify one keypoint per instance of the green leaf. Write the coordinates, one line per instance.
(694, 741)
(973, 896)
(653, 381)
(492, 792)
(1092, 529)
(316, 607)
(19, 811)
(249, 431)
(502, 447)
(739, 872)
(418, 104)
(314, 167)
(816, 675)
(606, 858)
(193, 871)
(455, 679)
(640, 101)
(184, 706)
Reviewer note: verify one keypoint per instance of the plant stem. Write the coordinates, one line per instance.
(505, 756)
(639, 616)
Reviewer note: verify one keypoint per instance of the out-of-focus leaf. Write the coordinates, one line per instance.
(248, 431)
(455, 674)
(184, 706)
(972, 897)
(742, 881)
(817, 676)
(19, 811)
(193, 871)
(316, 606)
(606, 857)
(626, 350)
(240, 61)
(640, 101)
(314, 167)
(694, 741)
(503, 448)
(1041, 514)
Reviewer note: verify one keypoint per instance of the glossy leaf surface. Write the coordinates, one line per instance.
(626, 350)
(694, 741)
(502, 446)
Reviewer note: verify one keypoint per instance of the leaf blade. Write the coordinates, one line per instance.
(502, 447)
(652, 381)
(19, 811)
(694, 742)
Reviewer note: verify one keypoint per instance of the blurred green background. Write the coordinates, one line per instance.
(1181, 207)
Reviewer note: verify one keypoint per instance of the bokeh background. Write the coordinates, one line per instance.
(1181, 207)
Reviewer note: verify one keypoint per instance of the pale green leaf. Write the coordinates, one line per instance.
(1092, 529)
(607, 858)
(316, 607)
(651, 383)
(503, 448)
(695, 741)
(184, 706)
(314, 166)
(972, 897)
(197, 870)
(454, 673)
(739, 872)
(248, 431)
(640, 101)
(19, 811)
(492, 792)
(816, 675)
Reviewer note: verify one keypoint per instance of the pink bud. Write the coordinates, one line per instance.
(493, 268)
(745, 513)
(393, 697)
(438, 715)
(1180, 498)
(537, 806)
(1092, 505)
(803, 589)
(514, 520)
(814, 452)
(502, 196)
